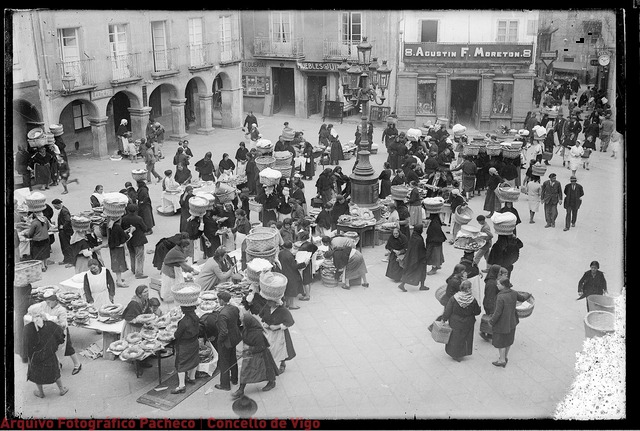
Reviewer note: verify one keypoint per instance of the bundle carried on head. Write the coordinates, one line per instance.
(504, 223)
(433, 205)
(35, 202)
(270, 177)
(272, 285)
(186, 293)
(198, 206)
(114, 204)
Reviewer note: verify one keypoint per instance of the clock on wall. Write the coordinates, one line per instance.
(604, 59)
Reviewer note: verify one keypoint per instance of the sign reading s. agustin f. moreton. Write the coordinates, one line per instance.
(451, 52)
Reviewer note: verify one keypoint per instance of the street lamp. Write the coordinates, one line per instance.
(377, 77)
(344, 77)
(68, 82)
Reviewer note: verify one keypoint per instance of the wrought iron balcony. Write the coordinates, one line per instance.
(265, 47)
(125, 68)
(164, 61)
(229, 51)
(338, 50)
(200, 56)
(82, 70)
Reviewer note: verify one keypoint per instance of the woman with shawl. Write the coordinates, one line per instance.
(99, 288)
(323, 220)
(205, 168)
(276, 321)
(39, 233)
(226, 165)
(253, 174)
(270, 203)
(123, 142)
(505, 319)
(138, 305)
(323, 136)
(491, 292)
(336, 150)
(145, 209)
(257, 362)
(82, 250)
(40, 162)
(97, 197)
(491, 201)
(41, 340)
(505, 252)
(175, 262)
(415, 205)
(415, 261)
(217, 269)
(290, 268)
(241, 227)
(385, 181)
(324, 185)
(433, 242)
(309, 163)
(184, 207)
(254, 134)
(397, 245)
(307, 271)
(187, 348)
(340, 208)
(460, 312)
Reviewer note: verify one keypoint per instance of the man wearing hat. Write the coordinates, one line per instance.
(573, 193)
(65, 231)
(606, 130)
(229, 336)
(551, 195)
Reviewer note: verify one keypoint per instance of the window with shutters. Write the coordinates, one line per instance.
(159, 44)
(196, 45)
(119, 51)
(80, 116)
(532, 27)
(429, 31)
(69, 52)
(507, 31)
(281, 27)
(351, 33)
(228, 33)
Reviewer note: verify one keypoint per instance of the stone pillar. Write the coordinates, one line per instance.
(99, 132)
(231, 108)
(206, 115)
(522, 90)
(139, 121)
(407, 99)
(177, 119)
(486, 93)
(443, 95)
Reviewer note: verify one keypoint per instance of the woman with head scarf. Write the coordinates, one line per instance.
(184, 207)
(340, 208)
(460, 312)
(138, 305)
(276, 321)
(342, 180)
(592, 282)
(433, 243)
(416, 214)
(83, 247)
(217, 269)
(415, 261)
(183, 174)
(291, 269)
(187, 348)
(491, 201)
(122, 133)
(505, 319)
(324, 185)
(353, 263)
(509, 208)
(145, 208)
(175, 262)
(310, 163)
(226, 165)
(307, 274)
(505, 252)
(255, 134)
(323, 220)
(205, 168)
(456, 278)
(385, 181)
(38, 232)
(270, 201)
(258, 364)
(397, 246)
(41, 339)
(336, 150)
(98, 285)
(495, 274)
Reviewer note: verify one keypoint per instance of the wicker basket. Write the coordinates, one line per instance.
(56, 129)
(547, 155)
(198, 206)
(506, 193)
(260, 228)
(262, 241)
(599, 323)
(227, 196)
(463, 214)
(265, 162)
(470, 150)
(254, 206)
(254, 275)
(28, 271)
(510, 153)
(211, 199)
(114, 204)
(139, 174)
(189, 298)
(284, 170)
(264, 151)
(601, 303)
(282, 157)
(270, 255)
(504, 228)
(440, 292)
(35, 202)
(399, 192)
(51, 139)
(440, 331)
(80, 223)
(485, 326)
(272, 285)
(270, 180)
(538, 170)
(494, 149)
(433, 205)
(526, 313)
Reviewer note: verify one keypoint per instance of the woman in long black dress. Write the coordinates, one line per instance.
(434, 240)
(276, 320)
(226, 164)
(41, 163)
(415, 261)
(491, 201)
(116, 239)
(307, 274)
(310, 163)
(336, 150)
(187, 348)
(290, 269)
(460, 312)
(404, 216)
(270, 203)
(209, 241)
(205, 168)
(505, 252)
(39, 234)
(184, 207)
(397, 246)
(145, 208)
(253, 178)
(385, 181)
(491, 293)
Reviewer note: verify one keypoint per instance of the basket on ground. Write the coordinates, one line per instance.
(198, 206)
(272, 285)
(601, 303)
(263, 162)
(254, 206)
(484, 324)
(440, 331)
(35, 202)
(139, 174)
(463, 214)
(525, 308)
(599, 323)
(262, 241)
(186, 293)
(494, 149)
(28, 271)
(470, 150)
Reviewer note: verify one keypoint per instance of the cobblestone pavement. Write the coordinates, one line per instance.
(366, 352)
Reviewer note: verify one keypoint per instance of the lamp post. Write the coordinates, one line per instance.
(68, 82)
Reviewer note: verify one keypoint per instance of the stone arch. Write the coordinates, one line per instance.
(74, 117)
(192, 112)
(159, 101)
(117, 108)
(25, 117)
(223, 100)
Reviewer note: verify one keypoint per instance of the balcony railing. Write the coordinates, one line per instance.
(82, 70)
(200, 55)
(164, 60)
(266, 47)
(229, 51)
(126, 66)
(337, 50)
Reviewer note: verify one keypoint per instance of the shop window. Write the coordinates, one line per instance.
(256, 85)
(80, 117)
(502, 98)
(426, 97)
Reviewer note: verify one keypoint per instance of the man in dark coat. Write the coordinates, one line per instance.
(573, 193)
(229, 336)
(137, 241)
(250, 120)
(163, 246)
(551, 196)
(65, 231)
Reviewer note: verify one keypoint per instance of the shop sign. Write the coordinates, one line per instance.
(254, 67)
(318, 65)
(101, 94)
(549, 55)
(429, 52)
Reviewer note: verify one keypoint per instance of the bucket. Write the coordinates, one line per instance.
(599, 324)
(601, 303)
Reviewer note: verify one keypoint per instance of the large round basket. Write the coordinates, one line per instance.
(264, 151)
(272, 285)
(269, 255)
(270, 176)
(226, 196)
(510, 153)
(538, 170)
(506, 193)
(28, 271)
(256, 267)
(51, 139)
(399, 192)
(504, 228)
(265, 162)
(440, 291)
(527, 311)
(186, 293)
(282, 158)
(114, 204)
(433, 205)
(482, 146)
(284, 170)
(56, 129)
(463, 214)
(262, 241)
(470, 150)
(259, 228)
(139, 174)
(35, 202)
(494, 149)
(601, 303)
(80, 223)
(211, 199)
(599, 323)
(485, 326)
(254, 206)
(198, 206)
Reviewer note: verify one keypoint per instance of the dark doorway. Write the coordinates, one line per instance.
(121, 107)
(191, 94)
(314, 93)
(464, 98)
(216, 111)
(284, 94)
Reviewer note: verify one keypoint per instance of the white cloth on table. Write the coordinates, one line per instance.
(167, 283)
(170, 199)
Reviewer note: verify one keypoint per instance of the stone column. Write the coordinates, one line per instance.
(407, 99)
(139, 121)
(99, 132)
(231, 108)
(206, 115)
(443, 95)
(177, 119)
(522, 90)
(486, 93)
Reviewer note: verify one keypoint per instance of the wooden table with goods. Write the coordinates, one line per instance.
(366, 234)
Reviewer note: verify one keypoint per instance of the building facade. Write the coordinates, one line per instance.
(470, 67)
(89, 69)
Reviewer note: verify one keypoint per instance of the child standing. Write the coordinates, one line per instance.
(63, 170)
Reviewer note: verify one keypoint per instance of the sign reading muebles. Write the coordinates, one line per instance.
(452, 52)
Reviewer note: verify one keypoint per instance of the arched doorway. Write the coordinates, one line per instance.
(74, 118)
(25, 117)
(159, 101)
(117, 110)
(216, 110)
(192, 114)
